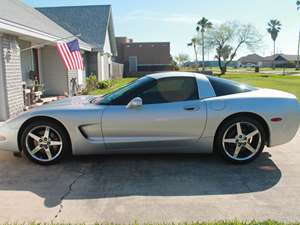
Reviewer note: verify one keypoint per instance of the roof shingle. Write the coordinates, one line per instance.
(89, 21)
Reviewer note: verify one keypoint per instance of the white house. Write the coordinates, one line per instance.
(28, 41)
(95, 25)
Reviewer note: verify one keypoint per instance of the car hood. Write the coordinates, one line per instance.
(71, 102)
(82, 100)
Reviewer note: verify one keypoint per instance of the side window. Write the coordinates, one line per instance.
(172, 89)
(224, 87)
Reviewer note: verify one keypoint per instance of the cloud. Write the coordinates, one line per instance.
(173, 18)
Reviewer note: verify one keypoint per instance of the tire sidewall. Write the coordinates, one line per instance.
(221, 132)
(58, 128)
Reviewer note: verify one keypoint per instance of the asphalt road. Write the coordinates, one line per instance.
(157, 188)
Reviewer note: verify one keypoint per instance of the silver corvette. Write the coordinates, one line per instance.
(159, 113)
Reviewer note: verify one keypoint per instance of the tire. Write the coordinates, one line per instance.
(240, 140)
(45, 142)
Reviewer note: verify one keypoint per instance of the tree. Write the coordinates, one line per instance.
(274, 27)
(203, 25)
(194, 43)
(228, 38)
(182, 58)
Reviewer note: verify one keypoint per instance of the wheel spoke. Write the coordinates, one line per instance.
(47, 131)
(36, 150)
(237, 151)
(55, 143)
(250, 148)
(230, 140)
(48, 153)
(239, 129)
(252, 134)
(34, 137)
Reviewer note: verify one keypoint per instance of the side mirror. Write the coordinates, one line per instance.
(135, 103)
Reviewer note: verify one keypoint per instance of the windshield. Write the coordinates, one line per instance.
(107, 99)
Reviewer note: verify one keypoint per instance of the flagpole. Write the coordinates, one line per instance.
(41, 45)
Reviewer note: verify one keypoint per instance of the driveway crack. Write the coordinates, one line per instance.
(68, 192)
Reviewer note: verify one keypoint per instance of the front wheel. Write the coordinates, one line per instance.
(240, 140)
(44, 142)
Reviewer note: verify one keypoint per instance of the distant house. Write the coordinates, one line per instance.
(143, 56)
(28, 52)
(280, 60)
(251, 59)
(283, 60)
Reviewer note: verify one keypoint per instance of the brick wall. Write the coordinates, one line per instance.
(13, 76)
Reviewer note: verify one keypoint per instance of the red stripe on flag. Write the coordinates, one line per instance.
(71, 60)
(79, 57)
(76, 59)
(69, 56)
(63, 57)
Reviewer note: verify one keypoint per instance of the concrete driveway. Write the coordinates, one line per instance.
(153, 188)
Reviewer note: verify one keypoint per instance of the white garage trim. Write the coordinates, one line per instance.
(3, 97)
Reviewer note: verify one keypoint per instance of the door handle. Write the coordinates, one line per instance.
(191, 108)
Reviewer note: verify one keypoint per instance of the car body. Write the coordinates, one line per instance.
(96, 126)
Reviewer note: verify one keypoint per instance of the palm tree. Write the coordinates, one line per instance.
(274, 27)
(194, 42)
(203, 25)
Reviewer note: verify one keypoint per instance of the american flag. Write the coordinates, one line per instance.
(70, 54)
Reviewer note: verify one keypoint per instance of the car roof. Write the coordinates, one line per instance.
(174, 74)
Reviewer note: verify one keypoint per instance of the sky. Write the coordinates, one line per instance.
(175, 20)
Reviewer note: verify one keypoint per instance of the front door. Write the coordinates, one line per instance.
(171, 117)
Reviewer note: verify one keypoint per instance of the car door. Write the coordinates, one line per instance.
(171, 117)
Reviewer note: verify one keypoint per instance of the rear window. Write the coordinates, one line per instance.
(224, 87)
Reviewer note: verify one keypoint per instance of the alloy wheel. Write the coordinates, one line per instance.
(241, 141)
(44, 143)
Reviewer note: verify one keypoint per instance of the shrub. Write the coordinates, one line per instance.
(104, 84)
(91, 83)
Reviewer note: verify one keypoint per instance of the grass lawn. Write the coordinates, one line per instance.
(285, 83)
(116, 85)
(289, 84)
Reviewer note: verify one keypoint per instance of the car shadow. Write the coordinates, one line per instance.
(97, 177)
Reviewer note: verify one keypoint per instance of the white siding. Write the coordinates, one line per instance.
(11, 76)
(3, 97)
(54, 74)
(107, 47)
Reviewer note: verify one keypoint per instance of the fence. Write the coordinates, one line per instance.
(117, 70)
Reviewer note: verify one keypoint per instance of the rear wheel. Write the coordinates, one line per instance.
(240, 139)
(44, 142)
